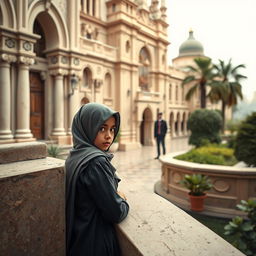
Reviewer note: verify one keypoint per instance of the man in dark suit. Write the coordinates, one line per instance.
(160, 130)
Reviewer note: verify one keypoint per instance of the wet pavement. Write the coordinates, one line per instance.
(139, 166)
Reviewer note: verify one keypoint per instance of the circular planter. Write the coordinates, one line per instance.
(230, 185)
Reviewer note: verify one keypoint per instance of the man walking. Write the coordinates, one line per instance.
(160, 130)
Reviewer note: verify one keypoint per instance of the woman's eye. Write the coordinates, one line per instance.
(102, 129)
(112, 129)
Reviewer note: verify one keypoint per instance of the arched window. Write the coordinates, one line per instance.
(177, 93)
(170, 92)
(144, 64)
(107, 86)
(87, 78)
(40, 44)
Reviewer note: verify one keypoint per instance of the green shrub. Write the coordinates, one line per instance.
(212, 154)
(205, 126)
(53, 150)
(245, 145)
(244, 230)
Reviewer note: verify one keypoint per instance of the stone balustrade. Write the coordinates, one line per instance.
(32, 216)
(231, 184)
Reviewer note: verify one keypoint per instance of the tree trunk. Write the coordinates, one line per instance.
(202, 96)
(223, 110)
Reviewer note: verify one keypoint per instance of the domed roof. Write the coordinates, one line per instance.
(191, 46)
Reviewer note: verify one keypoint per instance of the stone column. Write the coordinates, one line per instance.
(74, 104)
(23, 131)
(5, 98)
(58, 106)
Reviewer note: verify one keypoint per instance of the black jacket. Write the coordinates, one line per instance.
(163, 128)
(97, 208)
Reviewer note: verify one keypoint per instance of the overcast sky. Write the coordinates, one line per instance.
(226, 28)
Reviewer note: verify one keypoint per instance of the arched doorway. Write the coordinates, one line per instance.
(146, 133)
(36, 105)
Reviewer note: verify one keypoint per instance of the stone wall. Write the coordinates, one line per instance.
(32, 220)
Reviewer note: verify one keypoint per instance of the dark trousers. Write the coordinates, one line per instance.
(160, 140)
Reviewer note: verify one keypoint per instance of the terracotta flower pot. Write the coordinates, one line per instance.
(197, 202)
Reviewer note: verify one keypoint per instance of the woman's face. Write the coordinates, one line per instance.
(105, 134)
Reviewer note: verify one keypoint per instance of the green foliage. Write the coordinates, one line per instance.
(53, 150)
(244, 230)
(205, 125)
(196, 183)
(210, 154)
(245, 147)
(232, 126)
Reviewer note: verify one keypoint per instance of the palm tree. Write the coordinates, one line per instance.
(226, 86)
(200, 76)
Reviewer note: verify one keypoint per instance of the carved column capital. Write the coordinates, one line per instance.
(8, 58)
(59, 71)
(26, 60)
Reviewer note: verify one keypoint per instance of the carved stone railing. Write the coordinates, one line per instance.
(156, 227)
(230, 185)
(99, 49)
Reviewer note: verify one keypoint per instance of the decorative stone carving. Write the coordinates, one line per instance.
(76, 61)
(26, 60)
(221, 185)
(59, 71)
(89, 32)
(8, 58)
(54, 59)
(43, 75)
(10, 42)
(176, 177)
(27, 46)
(62, 6)
(64, 60)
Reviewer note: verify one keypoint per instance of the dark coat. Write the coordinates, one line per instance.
(163, 128)
(97, 208)
(92, 203)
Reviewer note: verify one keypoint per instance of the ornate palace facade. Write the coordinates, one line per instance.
(56, 55)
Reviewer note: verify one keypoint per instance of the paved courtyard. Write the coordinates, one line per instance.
(139, 166)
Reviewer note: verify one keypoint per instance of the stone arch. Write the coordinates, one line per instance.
(146, 132)
(107, 86)
(52, 22)
(7, 14)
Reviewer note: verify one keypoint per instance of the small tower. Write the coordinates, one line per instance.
(154, 11)
(163, 10)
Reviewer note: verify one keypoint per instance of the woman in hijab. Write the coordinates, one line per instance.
(93, 204)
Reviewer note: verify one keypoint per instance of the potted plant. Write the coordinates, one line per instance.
(197, 184)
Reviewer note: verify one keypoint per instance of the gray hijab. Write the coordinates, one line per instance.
(85, 126)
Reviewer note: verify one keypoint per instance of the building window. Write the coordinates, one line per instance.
(87, 78)
(170, 92)
(144, 65)
(177, 93)
(107, 86)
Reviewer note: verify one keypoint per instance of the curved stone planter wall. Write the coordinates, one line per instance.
(230, 185)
